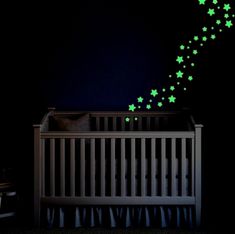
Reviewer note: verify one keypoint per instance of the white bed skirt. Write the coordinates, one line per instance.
(119, 216)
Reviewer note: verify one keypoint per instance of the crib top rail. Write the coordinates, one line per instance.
(161, 118)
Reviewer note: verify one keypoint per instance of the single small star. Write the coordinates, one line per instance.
(188, 57)
(190, 78)
(226, 16)
(213, 36)
(201, 2)
(215, 2)
(192, 64)
(211, 12)
(127, 119)
(204, 38)
(150, 100)
(195, 52)
(190, 42)
(163, 90)
(185, 89)
(218, 22)
(172, 88)
(179, 74)
(178, 83)
(148, 106)
(159, 104)
(180, 59)
(170, 76)
(136, 118)
(182, 47)
(140, 99)
(172, 99)
(204, 29)
(196, 38)
(229, 23)
(132, 107)
(154, 92)
(188, 47)
(212, 28)
(163, 98)
(201, 44)
(233, 16)
(184, 66)
(139, 107)
(221, 30)
(227, 7)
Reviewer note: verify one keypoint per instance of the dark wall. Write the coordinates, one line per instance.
(100, 55)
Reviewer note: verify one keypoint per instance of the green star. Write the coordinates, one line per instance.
(215, 2)
(154, 92)
(204, 29)
(127, 119)
(179, 74)
(227, 7)
(196, 38)
(172, 88)
(172, 99)
(226, 16)
(132, 107)
(204, 38)
(218, 22)
(140, 99)
(190, 78)
(148, 106)
(229, 23)
(213, 36)
(159, 104)
(180, 59)
(211, 12)
(195, 52)
(201, 2)
(182, 47)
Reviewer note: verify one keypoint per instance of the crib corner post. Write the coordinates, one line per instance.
(198, 165)
(37, 176)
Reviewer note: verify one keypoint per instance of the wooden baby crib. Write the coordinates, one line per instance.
(152, 159)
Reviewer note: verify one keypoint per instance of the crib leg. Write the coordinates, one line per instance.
(198, 166)
(37, 175)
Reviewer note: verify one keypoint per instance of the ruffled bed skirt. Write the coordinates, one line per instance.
(119, 216)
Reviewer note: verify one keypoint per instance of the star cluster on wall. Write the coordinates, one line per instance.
(221, 16)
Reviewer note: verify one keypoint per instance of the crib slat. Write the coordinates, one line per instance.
(72, 167)
(123, 123)
(148, 123)
(183, 167)
(52, 167)
(123, 167)
(114, 124)
(97, 120)
(131, 124)
(113, 172)
(140, 123)
(62, 167)
(163, 167)
(105, 123)
(82, 167)
(153, 167)
(173, 168)
(193, 168)
(102, 172)
(143, 167)
(133, 160)
(43, 165)
(92, 167)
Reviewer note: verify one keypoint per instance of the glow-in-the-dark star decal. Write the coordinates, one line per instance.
(140, 99)
(220, 17)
